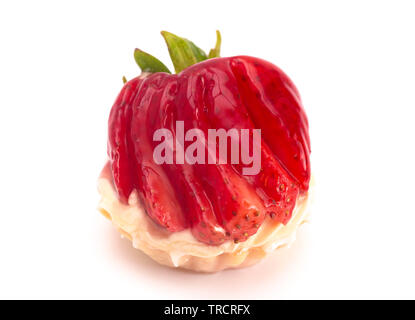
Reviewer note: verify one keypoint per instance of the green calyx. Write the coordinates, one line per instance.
(183, 54)
(148, 63)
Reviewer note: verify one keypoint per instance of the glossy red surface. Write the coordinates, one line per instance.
(216, 201)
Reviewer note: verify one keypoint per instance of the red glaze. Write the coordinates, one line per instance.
(216, 201)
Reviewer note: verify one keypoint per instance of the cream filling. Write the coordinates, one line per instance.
(133, 222)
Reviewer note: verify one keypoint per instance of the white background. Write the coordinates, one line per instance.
(61, 64)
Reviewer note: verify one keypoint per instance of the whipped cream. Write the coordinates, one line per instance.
(181, 249)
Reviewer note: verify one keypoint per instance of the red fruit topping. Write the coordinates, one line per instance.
(216, 201)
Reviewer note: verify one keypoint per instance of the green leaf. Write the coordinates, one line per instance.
(215, 52)
(148, 63)
(199, 53)
(183, 52)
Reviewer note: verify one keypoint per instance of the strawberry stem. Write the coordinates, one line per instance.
(183, 54)
(215, 52)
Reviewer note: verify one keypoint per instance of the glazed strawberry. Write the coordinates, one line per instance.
(118, 148)
(217, 199)
(274, 105)
(231, 111)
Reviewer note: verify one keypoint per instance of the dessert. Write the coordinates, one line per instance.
(209, 167)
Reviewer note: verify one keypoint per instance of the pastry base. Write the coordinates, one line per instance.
(181, 249)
